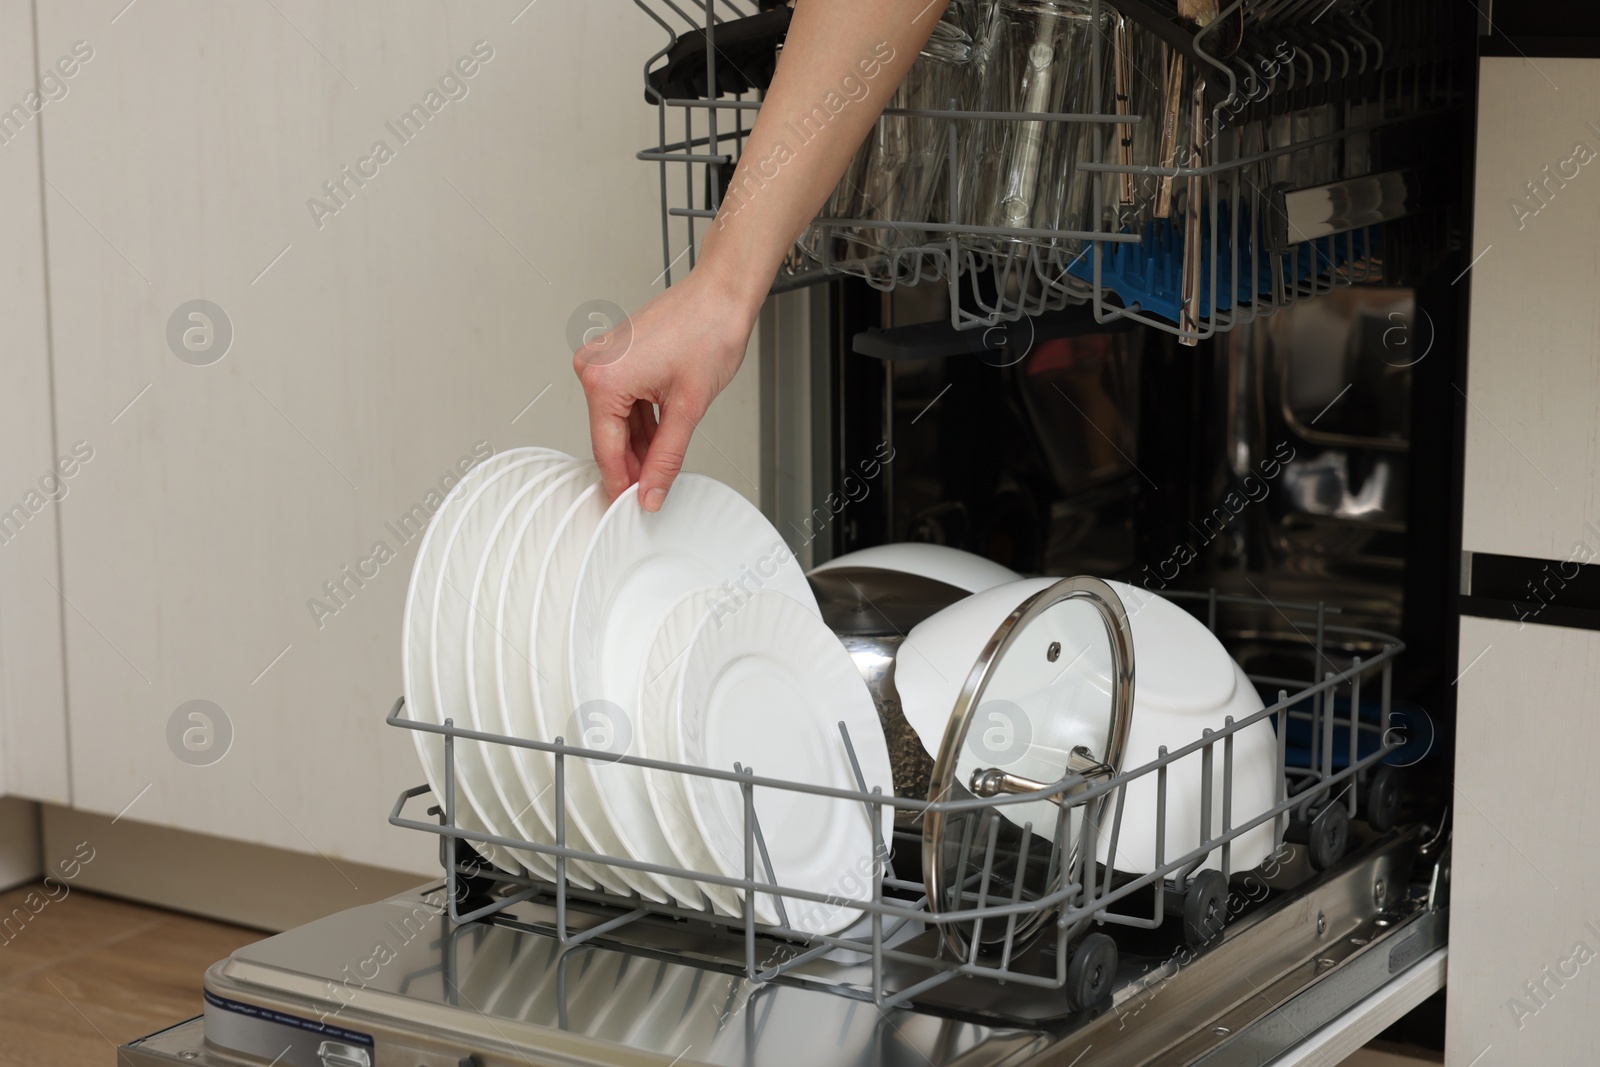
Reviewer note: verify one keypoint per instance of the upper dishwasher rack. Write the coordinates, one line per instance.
(1318, 158)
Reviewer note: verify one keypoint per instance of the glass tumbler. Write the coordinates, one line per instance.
(1133, 82)
(907, 155)
(895, 172)
(1066, 201)
(1038, 60)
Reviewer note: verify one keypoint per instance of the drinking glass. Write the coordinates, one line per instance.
(906, 155)
(1037, 60)
(894, 174)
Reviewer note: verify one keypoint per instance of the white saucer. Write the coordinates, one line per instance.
(637, 567)
(658, 690)
(767, 689)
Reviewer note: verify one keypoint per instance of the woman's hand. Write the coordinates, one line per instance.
(675, 354)
(840, 64)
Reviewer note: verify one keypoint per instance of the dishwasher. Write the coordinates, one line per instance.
(1090, 403)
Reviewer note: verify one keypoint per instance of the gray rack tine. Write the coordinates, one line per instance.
(761, 846)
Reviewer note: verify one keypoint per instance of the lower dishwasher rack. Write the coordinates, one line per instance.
(487, 969)
(398, 983)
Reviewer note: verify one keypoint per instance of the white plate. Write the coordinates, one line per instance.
(538, 696)
(658, 689)
(416, 660)
(952, 566)
(638, 565)
(524, 776)
(767, 689)
(463, 548)
(635, 809)
(510, 549)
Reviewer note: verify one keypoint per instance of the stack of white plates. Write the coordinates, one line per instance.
(688, 635)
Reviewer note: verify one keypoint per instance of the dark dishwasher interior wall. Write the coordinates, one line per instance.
(1310, 456)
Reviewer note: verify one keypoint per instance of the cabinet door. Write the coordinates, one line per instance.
(1533, 460)
(1524, 975)
(396, 209)
(1524, 925)
(33, 727)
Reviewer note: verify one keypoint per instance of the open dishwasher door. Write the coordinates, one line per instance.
(1313, 973)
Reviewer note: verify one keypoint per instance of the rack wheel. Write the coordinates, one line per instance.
(1330, 833)
(1091, 971)
(1382, 806)
(1205, 909)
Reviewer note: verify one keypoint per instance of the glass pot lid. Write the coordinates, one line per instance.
(1047, 705)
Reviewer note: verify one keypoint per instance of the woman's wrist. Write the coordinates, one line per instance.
(736, 270)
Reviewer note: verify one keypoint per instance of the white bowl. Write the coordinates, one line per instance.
(936, 656)
(1184, 683)
(964, 570)
(1255, 786)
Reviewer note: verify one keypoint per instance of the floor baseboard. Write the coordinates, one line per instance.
(20, 858)
(258, 886)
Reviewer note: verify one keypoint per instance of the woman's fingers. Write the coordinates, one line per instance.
(641, 431)
(644, 404)
(665, 458)
(609, 434)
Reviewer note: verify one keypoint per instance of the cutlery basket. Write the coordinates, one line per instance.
(899, 943)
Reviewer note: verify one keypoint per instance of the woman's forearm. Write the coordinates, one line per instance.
(841, 63)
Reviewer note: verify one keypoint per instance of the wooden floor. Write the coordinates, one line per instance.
(83, 974)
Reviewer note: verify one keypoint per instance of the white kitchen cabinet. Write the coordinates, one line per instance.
(378, 337)
(1524, 974)
(33, 724)
(1524, 925)
(1533, 419)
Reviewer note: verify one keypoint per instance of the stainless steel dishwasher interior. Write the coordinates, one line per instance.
(396, 982)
